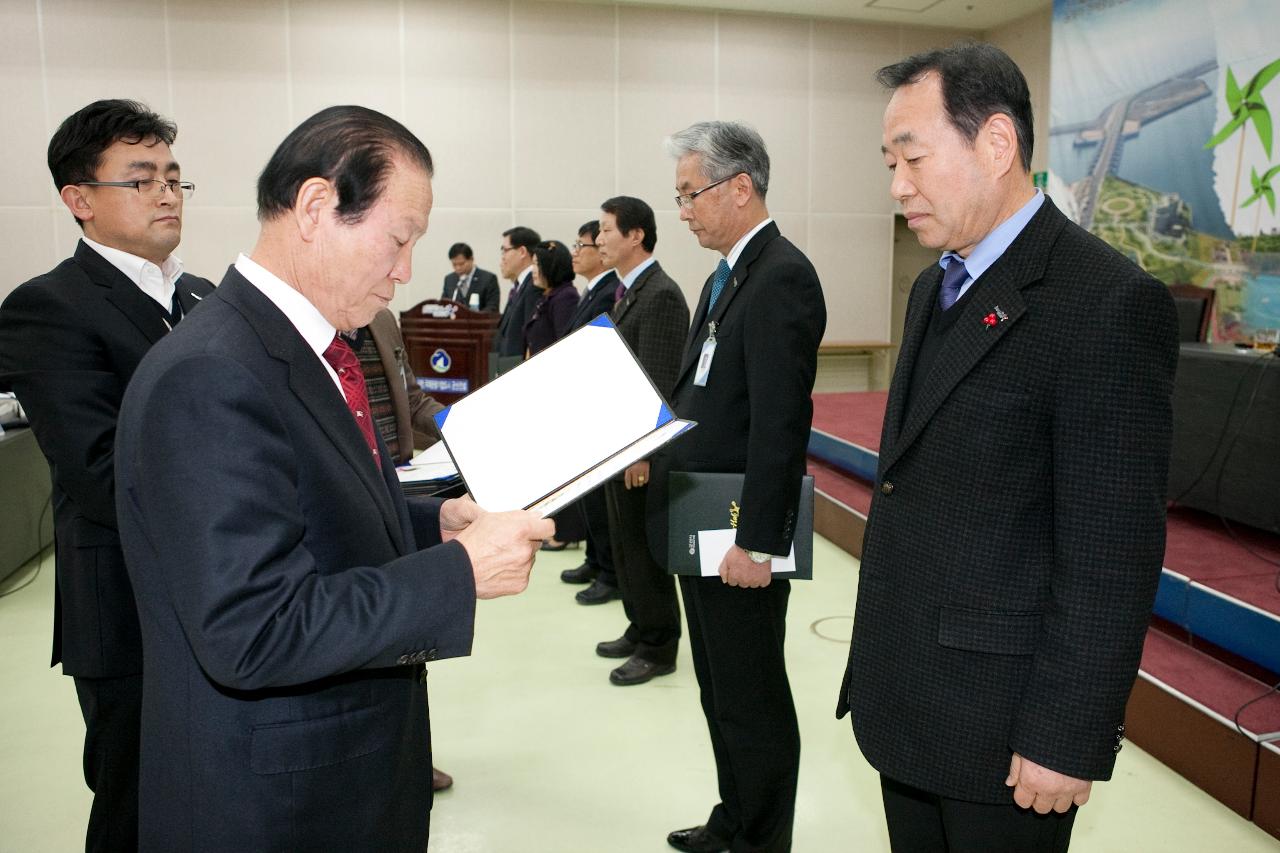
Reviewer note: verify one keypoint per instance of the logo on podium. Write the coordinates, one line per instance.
(440, 361)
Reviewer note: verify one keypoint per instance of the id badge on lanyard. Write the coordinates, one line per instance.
(704, 358)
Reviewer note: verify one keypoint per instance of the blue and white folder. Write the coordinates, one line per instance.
(524, 442)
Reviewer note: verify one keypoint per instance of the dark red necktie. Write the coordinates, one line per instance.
(347, 366)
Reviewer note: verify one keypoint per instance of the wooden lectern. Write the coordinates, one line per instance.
(448, 346)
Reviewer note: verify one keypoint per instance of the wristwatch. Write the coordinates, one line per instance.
(758, 557)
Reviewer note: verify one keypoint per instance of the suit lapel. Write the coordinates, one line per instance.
(925, 291)
(187, 296)
(633, 292)
(993, 313)
(140, 309)
(313, 387)
(737, 279)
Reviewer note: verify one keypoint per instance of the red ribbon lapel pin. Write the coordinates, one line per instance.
(995, 317)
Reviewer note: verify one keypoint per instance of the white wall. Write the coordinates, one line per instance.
(534, 112)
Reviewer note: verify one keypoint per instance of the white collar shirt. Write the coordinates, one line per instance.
(305, 317)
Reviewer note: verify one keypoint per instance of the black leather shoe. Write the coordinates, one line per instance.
(619, 648)
(696, 839)
(638, 671)
(597, 593)
(585, 573)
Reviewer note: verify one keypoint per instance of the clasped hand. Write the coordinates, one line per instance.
(1037, 787)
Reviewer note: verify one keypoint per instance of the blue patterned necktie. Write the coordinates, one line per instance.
(952, 280)
(718, 282)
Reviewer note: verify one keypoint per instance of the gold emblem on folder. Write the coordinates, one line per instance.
(734, 509)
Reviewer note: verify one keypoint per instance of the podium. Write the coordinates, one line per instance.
(448, 346)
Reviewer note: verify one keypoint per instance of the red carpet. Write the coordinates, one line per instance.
(1210, 682)
(850, 491)
(855, 417)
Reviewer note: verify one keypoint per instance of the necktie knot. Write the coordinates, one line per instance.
(346, 364)
(952, 280)
(718, 281)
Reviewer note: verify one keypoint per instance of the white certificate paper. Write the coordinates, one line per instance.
(714, 544)
(521, 442)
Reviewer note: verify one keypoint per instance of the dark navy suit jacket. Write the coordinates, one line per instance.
(70, 341)
(286, 610)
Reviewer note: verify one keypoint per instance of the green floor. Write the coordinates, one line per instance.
(551, 758)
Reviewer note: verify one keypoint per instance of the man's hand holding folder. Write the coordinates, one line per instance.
(500, 545)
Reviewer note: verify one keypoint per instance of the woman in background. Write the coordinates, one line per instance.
(553, 275)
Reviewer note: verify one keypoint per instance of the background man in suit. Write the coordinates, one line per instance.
(597, 299)
(653, 318)
(69, 343)
(517, 267)
(1017, 530)
(765, 311)
(286, 608)
(467, 279)
(402, 412)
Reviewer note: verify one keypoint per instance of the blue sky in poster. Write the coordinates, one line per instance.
(1104, 50)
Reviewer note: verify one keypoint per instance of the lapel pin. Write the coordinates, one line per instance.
(995, 317)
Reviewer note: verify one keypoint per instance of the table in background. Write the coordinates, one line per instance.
(1207, 426)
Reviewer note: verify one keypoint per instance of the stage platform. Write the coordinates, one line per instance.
(1215, 641)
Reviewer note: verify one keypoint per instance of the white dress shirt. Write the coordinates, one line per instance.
(155, 281)
(305, 317)
(736, 251)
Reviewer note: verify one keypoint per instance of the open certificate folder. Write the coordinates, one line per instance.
(521, 443)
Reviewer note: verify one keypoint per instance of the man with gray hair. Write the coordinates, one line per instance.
(746, 376)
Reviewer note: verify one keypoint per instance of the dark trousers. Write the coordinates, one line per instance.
(648, 592)
(920, 822)
(571, 524)
(112, 710)
(599, 548)
(737, 637)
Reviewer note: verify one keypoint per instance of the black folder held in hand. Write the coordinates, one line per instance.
(711, 502)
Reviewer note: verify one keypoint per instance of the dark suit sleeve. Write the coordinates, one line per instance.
(1111, 436)
(217, 494)
(783, 329)
(660, 347)
(64, 378)
(446, 292)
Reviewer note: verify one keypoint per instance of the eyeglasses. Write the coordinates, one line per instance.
(502, 250)
(148, 187)
(686, 199)
(579, 246)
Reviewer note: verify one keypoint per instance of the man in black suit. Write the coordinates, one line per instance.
(761, 317)
(597, 298)
(69, 342)
(517, 267)
(1017, 525)
(653, 318)
(286, 607)
(467, 279)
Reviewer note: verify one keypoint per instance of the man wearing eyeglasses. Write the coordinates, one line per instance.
(69, 342)
(746, 376)
(598, 298)
(516, 265)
